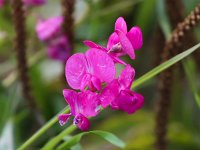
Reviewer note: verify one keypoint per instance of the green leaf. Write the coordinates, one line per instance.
(110, 138)
(105, 135)
(164, 66)
(189, 67)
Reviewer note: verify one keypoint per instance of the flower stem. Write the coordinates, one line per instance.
(41, 131)
(53, 142)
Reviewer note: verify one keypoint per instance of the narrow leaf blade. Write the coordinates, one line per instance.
(110, 138)
(103, 134)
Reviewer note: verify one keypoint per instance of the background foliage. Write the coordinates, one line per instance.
(95, 20)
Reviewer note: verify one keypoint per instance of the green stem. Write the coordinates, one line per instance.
(53, 142)
(41, 131)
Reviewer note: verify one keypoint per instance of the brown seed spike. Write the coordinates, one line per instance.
(19, 19)
(165, 80)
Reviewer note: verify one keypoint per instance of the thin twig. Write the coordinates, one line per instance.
(68, 25)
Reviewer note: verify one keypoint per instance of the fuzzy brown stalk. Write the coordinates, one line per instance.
(166, 78)
(178, 16)
(68, 24)
(20, 48)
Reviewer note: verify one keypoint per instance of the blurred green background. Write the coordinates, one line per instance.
(94, 20)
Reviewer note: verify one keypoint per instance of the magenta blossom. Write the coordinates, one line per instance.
(59, 49)
(114, 56)
(121, 42)
(118, 94)
(89, 69)
(50, 28)
(34, 2)
(82, 105)
(1, 3)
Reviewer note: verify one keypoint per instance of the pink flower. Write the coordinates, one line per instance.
(50, 28)
(34, 2)
(1, 3)
(121, 42)
(82, 105)
(114, 56)
(89, 69)
(59, 49)
(118, 94)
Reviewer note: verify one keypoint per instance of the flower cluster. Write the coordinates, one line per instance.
(93, 73)
(50, 32)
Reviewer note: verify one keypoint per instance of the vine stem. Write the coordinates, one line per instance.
(42, 130)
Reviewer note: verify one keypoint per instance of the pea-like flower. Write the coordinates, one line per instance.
(59, 49)
(121, 42)
(94, 74)
(118, 94)
(82, 105)
(89, 70)
(1, 3)
(49, 29)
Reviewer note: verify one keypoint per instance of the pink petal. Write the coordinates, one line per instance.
(91, 44)
(63, 118)
(128, 101)
(86, 103)
(1, 3)
(101, 65)
(72, 98)
(113, 39)
(117, 60)
(120, 24)
(135, 37)
(82, 122)
(59, 49)
(126, 77)
(126, 44)
(85, 81)
(109, 93)
(75, 70)
(96, 83)
(89, 103)
(46, 29)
